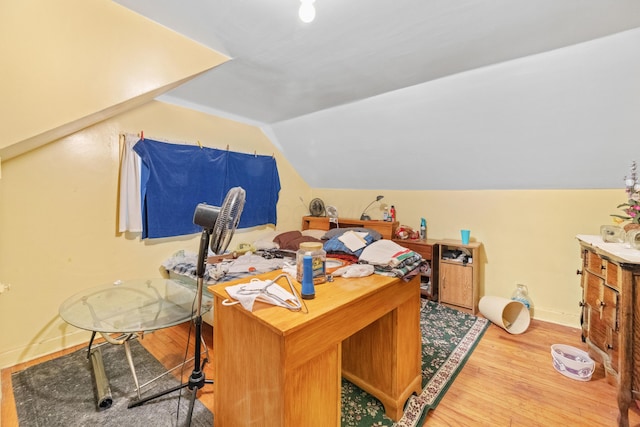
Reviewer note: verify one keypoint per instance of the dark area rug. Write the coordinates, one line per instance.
(448, 338)
(62, 392)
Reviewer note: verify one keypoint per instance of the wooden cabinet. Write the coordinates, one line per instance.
(459, 277)
(386, 228)
(610, 277)
(428, 276)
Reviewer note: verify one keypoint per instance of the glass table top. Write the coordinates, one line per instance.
(133, 306)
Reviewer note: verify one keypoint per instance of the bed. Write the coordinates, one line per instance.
(275, 250)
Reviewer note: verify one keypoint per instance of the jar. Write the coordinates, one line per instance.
(318, 261)
(522, 294)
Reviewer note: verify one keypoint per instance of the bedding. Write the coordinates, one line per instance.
(277, 249)
(291, 240)
(183, 263)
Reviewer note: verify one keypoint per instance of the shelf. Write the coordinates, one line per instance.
(386, 229)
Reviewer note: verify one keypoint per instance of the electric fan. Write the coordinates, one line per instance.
(218, 225)
(316, 207)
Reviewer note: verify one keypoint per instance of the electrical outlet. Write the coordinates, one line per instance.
(4, 287)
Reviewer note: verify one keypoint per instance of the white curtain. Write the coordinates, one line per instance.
(130, 215)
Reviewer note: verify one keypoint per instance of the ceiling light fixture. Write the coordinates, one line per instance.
(307, 11)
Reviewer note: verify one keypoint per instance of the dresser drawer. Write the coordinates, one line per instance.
(612, 274)
(602, 300)
(594, 264)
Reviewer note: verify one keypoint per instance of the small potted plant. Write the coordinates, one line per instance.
(631, 208)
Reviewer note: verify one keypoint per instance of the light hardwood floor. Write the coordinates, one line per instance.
(507, 381)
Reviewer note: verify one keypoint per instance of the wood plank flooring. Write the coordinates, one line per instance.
(507, 381)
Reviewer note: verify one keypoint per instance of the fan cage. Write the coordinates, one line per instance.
(227, 220)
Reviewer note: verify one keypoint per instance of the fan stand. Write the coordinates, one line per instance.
(197, 379)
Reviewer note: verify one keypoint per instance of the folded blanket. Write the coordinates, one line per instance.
(386, 252)
(391, 259)
(405, 272)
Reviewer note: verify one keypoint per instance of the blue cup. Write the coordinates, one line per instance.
(465, 236)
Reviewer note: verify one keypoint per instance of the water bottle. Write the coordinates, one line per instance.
(522, 294)
(423, 229)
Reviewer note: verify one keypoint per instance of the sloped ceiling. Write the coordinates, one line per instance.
(425, 94)
(68, 64)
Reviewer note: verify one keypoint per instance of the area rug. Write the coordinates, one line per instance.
(448, 338)
(61, 392)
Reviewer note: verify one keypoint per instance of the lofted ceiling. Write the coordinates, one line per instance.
(422, 81)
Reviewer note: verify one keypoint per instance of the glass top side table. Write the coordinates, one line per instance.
(131, 307)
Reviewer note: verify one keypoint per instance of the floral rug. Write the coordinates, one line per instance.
(448, 339)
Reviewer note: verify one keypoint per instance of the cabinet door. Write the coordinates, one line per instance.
(600, 318)
(602, 299)
(456, 284)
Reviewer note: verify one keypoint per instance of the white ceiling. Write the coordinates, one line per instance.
(301, 82)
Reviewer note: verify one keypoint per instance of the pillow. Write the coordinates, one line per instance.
(339, 231)
(291, 240)
(314, 233)
(265, 242)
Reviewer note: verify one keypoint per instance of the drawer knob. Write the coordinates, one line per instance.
(609, 347)
(581, 304)
(578, 272)
(600, 303)
(603, 267)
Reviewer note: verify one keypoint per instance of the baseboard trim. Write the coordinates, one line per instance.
(33, 351)
(560, 318)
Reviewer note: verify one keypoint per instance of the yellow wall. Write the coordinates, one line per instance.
(528, 236)
(58, 231)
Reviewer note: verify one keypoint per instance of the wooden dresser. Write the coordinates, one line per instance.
(611, 314)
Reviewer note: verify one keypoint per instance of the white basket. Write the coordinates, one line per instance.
(572, 362)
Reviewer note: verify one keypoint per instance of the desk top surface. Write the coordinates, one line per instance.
(132, 306)
(329, 297)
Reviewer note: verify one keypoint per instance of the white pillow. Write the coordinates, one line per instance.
(316, 234)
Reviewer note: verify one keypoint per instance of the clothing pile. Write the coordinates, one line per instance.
(391, 259)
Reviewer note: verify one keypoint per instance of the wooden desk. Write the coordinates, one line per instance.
(274, 367)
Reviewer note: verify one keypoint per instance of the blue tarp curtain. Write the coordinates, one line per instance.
(176, 177)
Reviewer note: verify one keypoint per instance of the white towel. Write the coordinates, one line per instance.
(130, 215)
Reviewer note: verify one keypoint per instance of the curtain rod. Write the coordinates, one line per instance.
(198, 143)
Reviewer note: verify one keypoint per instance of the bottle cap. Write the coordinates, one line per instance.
(311, 246)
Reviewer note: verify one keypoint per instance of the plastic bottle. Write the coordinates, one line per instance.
(522, 294)
(423, 229)
(392, 214)
(308, 291)
(385, 215)
(318, 262)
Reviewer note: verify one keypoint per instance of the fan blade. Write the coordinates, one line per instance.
(228, 219)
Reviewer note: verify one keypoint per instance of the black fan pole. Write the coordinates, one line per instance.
(197, 378)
